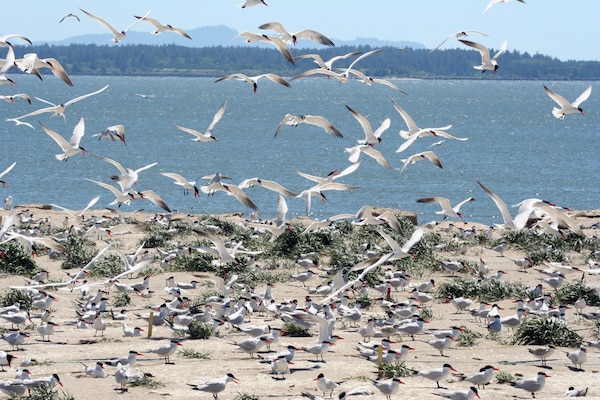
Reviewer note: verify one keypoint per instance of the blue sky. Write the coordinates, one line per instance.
(566, 29)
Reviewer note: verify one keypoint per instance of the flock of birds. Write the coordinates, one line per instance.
(176, 313)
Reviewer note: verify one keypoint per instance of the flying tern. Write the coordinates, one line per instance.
(118, 36)
(207, 136)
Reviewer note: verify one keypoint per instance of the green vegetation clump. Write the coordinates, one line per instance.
(542, 330)
(395, 370)
(468, 338)
(195, 354)
(23, 297)
(80, 252)
(570, 292)
(16, 260)
(483, 290)
(201, 330)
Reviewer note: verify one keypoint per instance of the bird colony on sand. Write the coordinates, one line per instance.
(374, 333)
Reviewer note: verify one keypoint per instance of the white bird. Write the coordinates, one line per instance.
(367, 149)
(251, 3)
(69, 15)
(128, 177)
(163, 28)
(457, 35)
(267, 184)
(166, 351)
(215, 386)
(120, 197)
(575, 392)
(328, 65)
(184, 183)
(491, 4)
(60, 108)
(342, 76)
(506, 217)
(565, 106)
(317, 120)
(319, 349)
(437, 374)
(4, 39)
(371, 137)
(487, 63)
(216, 185)
(447, 209)
(468, 394)
(483, 377)
(325, 384)
(426, 155)
(275, 41)
(501, 248)
(11, 98)
(532, 385)
(118, 36)
(578, 357)
(46, 329)
(414, 129)
(9, 62)
(441, 344)
(31, 63)
(388, 388)
(115, 132)
(72, 147)
(79, 215)
(6, 171)
(95, 371)
(19, 122)
(293, 37)
(207, 136)
(154, 197)
(253, 80)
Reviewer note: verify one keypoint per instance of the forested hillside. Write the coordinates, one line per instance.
(79, 59)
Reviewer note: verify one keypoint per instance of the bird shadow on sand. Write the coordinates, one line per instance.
(575, 369)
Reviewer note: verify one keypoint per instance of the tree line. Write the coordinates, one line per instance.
(174, 60)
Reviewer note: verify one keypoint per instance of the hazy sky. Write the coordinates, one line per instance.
(567, 29)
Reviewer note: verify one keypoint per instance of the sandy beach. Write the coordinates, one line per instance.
(70, 347)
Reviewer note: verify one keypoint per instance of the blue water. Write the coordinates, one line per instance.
(515, 147)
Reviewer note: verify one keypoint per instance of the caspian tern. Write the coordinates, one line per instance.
(154, 198)
(120, 197)
(4, 39)
(437, 374)
(181, 181)
(487, 63)
(163, 28)
(166, 351)
(447, 209)
(414, 131)
(9, 62)
(532, 385)
(565, 106)
(6, 171)
(118, 36)
(491, 4)
(508, 220)
(128, 177)
(388, 388)
(207, 136)
(69, 15)
(267, 184)
(426, 155)
(253, 80)
(295, 120)
(367, 149)
(216, 386)
(31, 64)
(79, 216)
(215, 185)
(71, 147)
(115, 132)
(275, 41)
(457, 35)
(371, 137)
(251, 3)
(60, 108)
(293, 37)
(328, 65)
(11, 98)
(344, 75)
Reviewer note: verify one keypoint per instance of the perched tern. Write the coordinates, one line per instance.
(468, 394)
(483, 377)
(207, 136)
(118, 36)
(215, 386)
(437, 374)
(388, 388)
(532, 385)
(166, 351)
(565, 106)
(487, 63)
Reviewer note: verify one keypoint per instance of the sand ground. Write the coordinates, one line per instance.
(65, 353)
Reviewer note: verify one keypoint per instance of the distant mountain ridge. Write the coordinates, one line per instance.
(219, 35)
